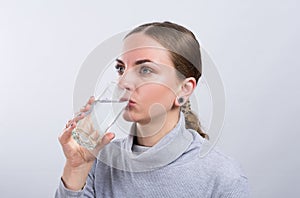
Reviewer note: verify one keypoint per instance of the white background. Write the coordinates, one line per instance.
(255, 44)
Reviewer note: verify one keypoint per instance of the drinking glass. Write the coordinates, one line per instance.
(102, 115)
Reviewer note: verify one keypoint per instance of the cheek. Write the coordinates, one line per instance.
(152, 100)
(160, 94)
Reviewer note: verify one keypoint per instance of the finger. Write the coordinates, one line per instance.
(86, 108)
(65, 136)
(79, 116)
(68, 123)
(107, 138)
(89, 102)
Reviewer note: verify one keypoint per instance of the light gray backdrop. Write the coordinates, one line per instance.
(255, 44)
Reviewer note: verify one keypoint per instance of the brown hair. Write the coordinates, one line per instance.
(185, 55)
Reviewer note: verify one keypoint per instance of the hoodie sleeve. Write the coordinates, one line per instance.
(88, 190)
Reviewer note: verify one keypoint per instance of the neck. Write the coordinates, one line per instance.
(149, 134)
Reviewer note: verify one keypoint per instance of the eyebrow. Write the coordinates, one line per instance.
(119, 61)
(138, 62)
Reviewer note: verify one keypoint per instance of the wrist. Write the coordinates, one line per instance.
(74, 178)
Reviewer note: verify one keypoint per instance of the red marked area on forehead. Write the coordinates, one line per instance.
(138, 47)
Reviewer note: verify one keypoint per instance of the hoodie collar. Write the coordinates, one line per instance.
(164, 152)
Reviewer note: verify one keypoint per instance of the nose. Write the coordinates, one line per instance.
(126, 81)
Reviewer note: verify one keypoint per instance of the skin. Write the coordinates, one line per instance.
(153, 94)
(78, 159)
(153, 105)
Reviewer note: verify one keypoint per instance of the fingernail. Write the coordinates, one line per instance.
(79, 115)
(111, 135)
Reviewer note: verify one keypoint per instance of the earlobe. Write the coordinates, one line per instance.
(179, 101)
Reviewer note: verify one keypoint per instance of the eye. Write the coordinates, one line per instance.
(145, 70)
(120, 69)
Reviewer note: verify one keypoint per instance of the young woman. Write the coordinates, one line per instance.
(160, 67)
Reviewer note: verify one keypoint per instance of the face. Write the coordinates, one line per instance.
(147, 72)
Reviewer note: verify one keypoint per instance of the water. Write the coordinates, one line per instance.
(97, 121)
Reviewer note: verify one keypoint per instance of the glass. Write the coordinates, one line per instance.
(102, 115)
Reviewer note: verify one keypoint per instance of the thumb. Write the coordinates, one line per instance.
(107, 138)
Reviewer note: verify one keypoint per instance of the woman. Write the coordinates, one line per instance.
(160, 67)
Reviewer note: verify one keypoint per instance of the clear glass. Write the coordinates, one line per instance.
(102, 115)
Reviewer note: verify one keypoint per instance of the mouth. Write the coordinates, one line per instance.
(131, 103)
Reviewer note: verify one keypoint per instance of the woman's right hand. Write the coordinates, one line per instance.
(79, 160)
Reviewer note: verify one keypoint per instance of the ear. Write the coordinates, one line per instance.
(187, 87)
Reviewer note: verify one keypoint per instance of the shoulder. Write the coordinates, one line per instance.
(224, 172)
(229, 180)
(225, 168)
(212, 157)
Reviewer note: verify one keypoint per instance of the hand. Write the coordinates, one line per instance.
(79, 160)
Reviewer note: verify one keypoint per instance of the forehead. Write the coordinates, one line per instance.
(140, 46)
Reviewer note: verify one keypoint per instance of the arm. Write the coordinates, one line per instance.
(77, 179)
(86, 191)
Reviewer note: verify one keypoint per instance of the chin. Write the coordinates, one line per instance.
(130, 116)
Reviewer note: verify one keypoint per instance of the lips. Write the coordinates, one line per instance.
(131, 103)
